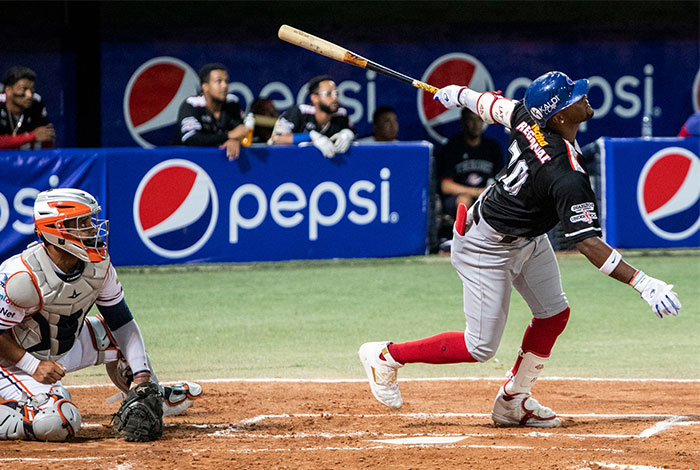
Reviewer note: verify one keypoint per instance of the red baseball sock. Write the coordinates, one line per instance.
(541, 334)
(445, 348)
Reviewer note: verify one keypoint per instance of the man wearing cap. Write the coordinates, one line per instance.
(324, 123)
(501, 243)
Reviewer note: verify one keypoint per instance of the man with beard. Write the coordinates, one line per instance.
(467, 164)
(214, 117)
(324, 122)
(24, 122)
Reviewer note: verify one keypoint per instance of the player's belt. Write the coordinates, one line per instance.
(477, 218)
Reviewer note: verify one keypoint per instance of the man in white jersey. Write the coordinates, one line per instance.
(45, 294)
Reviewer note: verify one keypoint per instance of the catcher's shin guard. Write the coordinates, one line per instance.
(179, 397)
(12, 422)
(101, 336)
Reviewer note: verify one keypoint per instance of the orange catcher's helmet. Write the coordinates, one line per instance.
(66, 218)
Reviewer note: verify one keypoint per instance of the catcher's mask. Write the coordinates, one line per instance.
(67, 218)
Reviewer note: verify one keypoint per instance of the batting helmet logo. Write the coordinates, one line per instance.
(175, 208)
(153, 96)
(668, 193)
(455, 68)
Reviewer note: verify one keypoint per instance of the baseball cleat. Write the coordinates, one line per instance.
(179, 397)
(381, 373)
(522, 410)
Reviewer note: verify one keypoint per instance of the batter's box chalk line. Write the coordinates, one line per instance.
(242, 428)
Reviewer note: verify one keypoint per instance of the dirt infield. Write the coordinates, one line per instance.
(443, 424)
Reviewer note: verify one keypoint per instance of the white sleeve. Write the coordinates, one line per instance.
(130, 343)
(490, 106)
(111, 292)
(19, 295)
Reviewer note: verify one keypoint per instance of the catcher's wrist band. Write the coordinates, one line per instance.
(28, 363)
(611, 263)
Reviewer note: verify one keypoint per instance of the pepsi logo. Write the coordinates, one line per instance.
(153, 96)
(668, 193)
(449, 69)
(696, 92)
(175, 208)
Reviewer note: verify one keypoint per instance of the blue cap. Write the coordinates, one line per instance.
(552, 92)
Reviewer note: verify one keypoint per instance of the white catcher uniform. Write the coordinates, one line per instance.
(60, 312)
(43, 310)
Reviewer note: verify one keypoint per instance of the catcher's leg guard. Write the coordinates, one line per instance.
(179, 397)
(56, 417)
(12, 422)
(101, 336)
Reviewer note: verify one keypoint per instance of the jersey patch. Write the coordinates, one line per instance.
(585, 212)
(307, 109)
(197, 101)
(534, 137)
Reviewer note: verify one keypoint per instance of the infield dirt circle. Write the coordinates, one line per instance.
(640, 425)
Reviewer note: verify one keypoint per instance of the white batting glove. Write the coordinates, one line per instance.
(323, 143)
(658, 294)
(249, 120)
(342, 140)
(449, 96)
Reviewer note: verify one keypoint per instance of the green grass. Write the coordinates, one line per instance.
(307, 319)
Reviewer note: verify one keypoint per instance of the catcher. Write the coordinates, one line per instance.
(45, 295)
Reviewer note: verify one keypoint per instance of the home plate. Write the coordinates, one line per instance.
(422, 440)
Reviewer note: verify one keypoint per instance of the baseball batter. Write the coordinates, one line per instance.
(45, 294)
(501, 243)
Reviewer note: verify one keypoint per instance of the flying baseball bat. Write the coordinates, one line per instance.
(334, 51)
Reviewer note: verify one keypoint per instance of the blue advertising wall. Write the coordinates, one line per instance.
(143, 83)
(651, 193)
(182, 205)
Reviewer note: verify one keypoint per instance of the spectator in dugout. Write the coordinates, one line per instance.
(385, 126)
(213, 118)
(324, 122)
(467, 164)
(24, 122)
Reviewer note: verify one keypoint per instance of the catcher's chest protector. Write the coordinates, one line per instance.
(52, 331)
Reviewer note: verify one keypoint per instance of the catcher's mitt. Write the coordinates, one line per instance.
(140, 416)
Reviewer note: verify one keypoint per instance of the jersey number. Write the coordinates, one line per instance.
(515, 179)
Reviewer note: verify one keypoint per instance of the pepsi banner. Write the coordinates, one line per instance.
(25, 173)
(183, 205)
(143, 84)
(651, 193)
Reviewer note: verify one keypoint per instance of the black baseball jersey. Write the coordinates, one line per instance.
(302, 119)
(467, 165)
(199, 127)
(35, 116)
(544, 182)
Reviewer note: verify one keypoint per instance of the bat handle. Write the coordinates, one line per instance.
(425, 86)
